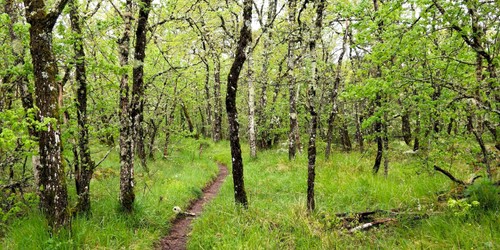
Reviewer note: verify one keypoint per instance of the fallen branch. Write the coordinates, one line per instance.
(449, 175)
(369, 225)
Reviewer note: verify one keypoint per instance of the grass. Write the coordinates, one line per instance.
(171, 182)
(277, 216)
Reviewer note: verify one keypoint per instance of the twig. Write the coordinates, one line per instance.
(104, 158)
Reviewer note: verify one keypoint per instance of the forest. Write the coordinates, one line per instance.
(240, 124)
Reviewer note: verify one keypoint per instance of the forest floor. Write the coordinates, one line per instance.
(178, 235)
(414, 206)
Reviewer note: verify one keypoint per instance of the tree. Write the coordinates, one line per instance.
(52, 183)
(127, 195)
(311, 93)
(84, 166)
(232, 113)
(137, 104)
(293, 87)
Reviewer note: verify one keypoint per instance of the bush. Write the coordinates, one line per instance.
(486, 193)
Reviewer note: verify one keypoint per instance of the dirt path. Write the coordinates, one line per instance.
(177, 236)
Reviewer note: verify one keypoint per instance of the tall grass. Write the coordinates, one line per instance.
(277, 217)
(170, 182)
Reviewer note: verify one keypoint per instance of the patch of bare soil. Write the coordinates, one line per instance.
(177, 237)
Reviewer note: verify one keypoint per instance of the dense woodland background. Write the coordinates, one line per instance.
(84, 80)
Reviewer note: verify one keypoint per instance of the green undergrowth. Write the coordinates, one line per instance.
(170, 182)
(277, 217)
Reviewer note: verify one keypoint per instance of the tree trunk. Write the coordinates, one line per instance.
(334, 93)
(209, 120)
(264, 140)
(416, 142)
(386, 146)
(311, 94)
(217, 128)
(406, 127)
(251, 107)
(232, 113)
(84, 166)
(292, 84)
(127, 195)
(188, 119)
(51, 186)
(138, 87)
(378, 138)
(152, 136)
(359, 132)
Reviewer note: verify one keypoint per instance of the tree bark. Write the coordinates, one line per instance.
(334, 93)
(264, 140)
(406, 127)
(138, 87)
(209, 120)
(217, 128)
(84, 166)
(232, 113)
(127, 195)
(292, 84)
(251, 107)
(311, 93)
(52, 185)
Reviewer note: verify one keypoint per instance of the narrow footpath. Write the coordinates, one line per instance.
(177, 237)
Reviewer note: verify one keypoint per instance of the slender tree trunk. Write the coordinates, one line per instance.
(311, 93)
(217, 128)
(264, 140)
(386, 147)
(378, 138)
(406, 127)
(152, 136)
(292, 84)
(359, 132)
(416, 142)
(188, 119)
(84, 167)
(52, 185)
(138, 87)
(209, 120)
(334, 93)
(232, 113)
(251, 107)
(127, 195)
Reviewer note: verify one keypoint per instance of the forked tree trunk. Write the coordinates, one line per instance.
(51, 186)
(127, 195)
(84, 166)
(232, 113)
